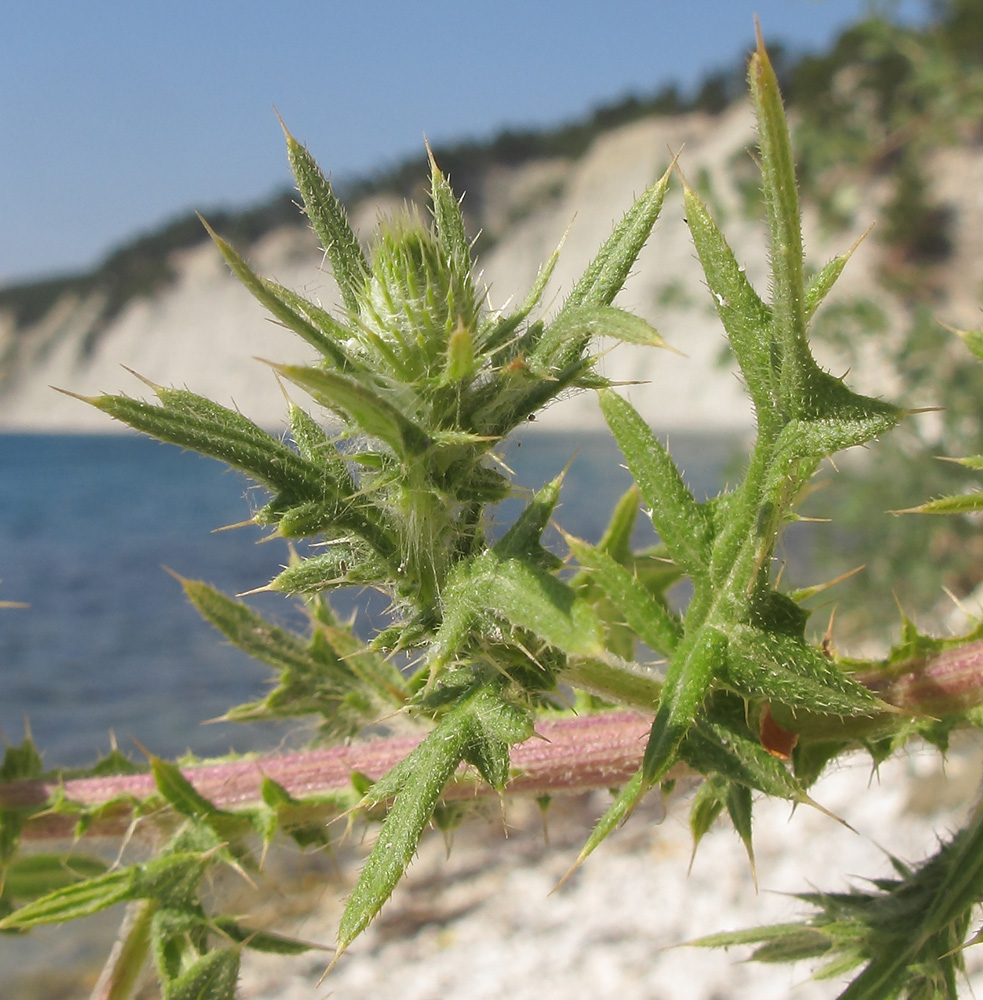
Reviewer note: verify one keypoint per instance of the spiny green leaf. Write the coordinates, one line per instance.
(568, 335)
(520, 593)
(822, 283)
(123, 971)
(178, 791)
(784, 670)
(274, 944)
(332, 336)
(496, 725)
(907, 931)
(967, 503)
(497, 331)
(315, 678)
(615, 679)
(960, 887)
(249, 631)
(608, 271)
(343, 565)
(21, 763)
(651, 620)
(624, 803)
(80, 899)
(808, 943)
(973, 339)
(708, 803)
(514, 391)
(835, 419)
(292, 816)
(330, 222)
(650, 572)
(738, 800)
(688, 680)
(12, 820)
(323, 468)
(522, 540)
(190, 403)
(532, 599)
(974, 462)
(792, 939)
(423, 775)
(715, 747)
(782, 205)
(449, 220)
(318, 448)
(375, 415)
(510, 581)
(914, 647)
(214, 976)
(36, 875)
(332, 515)
(781, 375)
(678, 518)
(279, 302)
(342, 646)
(479, 729)
(230, 440)
(616, 540)
(172, 878)
(745, 317)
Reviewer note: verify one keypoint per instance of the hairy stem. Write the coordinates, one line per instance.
(948, 683)
(566, 755)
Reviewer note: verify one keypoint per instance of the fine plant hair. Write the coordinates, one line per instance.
(390, 468)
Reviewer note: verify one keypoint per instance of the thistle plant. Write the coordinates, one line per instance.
(390, 481)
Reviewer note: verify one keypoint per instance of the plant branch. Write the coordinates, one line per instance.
(948, 683)
(566, 755)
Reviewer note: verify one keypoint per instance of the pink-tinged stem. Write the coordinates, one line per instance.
(946, 684)
(596, 751)
(567, 755)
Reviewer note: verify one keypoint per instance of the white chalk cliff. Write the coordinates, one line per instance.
(205, 332)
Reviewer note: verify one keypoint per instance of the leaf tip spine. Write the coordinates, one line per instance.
(92, 400)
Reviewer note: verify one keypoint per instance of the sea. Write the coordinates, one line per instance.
(92, 529)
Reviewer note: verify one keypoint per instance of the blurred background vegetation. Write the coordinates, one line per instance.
(876, 109)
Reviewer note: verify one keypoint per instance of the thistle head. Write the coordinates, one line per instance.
(416, 297)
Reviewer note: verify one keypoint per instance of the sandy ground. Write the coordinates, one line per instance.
(484, 924)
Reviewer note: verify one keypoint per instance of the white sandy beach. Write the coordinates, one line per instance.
(483, 924)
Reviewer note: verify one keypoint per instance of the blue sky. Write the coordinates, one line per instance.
(118, 116)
